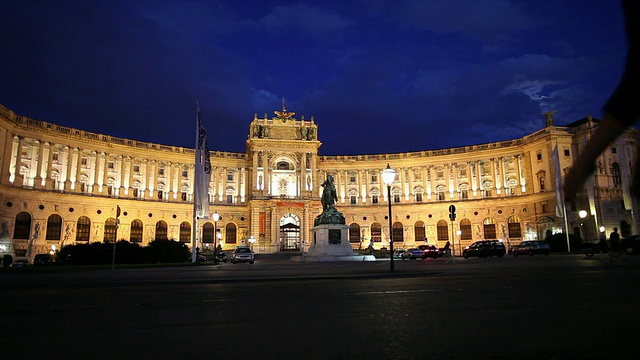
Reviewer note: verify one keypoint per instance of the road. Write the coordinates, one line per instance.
(556, 307)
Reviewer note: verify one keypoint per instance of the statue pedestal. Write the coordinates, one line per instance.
(330, 240)
(330, 243)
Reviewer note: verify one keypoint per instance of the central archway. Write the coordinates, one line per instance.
(290, 233)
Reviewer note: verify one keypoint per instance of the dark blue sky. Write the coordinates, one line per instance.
(378, 76)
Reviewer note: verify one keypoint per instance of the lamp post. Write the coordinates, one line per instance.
(583, 214)
(459, 232)
(215, 218)
(388, 177)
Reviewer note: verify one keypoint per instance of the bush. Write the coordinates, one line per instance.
(98, 253)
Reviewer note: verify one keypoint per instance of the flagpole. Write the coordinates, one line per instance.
(194, 230)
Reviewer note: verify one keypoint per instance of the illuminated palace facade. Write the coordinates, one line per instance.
(61, 185)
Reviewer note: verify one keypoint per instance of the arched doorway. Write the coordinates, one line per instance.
(290, 233)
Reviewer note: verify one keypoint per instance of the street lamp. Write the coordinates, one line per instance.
(388, 177)
(583, 214)
(458, 232)
(215, 218)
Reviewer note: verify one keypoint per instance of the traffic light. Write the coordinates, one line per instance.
(452, 212)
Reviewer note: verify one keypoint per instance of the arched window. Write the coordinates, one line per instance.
(109, 230)
(465, 229)
(489, 228)
(376, 232)
(419, 231)
(514, 226)
(83, 229)
(135, 236)
(161, 230)
(185, 232)
(207, 233)
(54, 227)
(22, 229)
(230, 233)
(443, 230)
(398, 233)
(354, 233)
(440, 190)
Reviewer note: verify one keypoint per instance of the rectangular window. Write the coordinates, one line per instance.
(185, 173)
(440, 195)
(229, 199)
(183, 196)
(614, 150)
(135, 192)
(160, 194)
(83, 161)
(55, 156)
(352, 179)
(396, 198)
(539, 156)
(419, 197)
(374, 199)
(545, 208)
(109, 190)
(161, 171)
(374, 178)
(229, 176)
(567, 153)
(352, 199)
(136, 168)
(111, 165)
(464, 194)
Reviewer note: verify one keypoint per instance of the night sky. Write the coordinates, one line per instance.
(377, 76)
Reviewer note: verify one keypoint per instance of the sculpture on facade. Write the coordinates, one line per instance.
(329, 195)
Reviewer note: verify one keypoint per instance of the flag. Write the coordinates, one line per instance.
(203, 171)
(560, 208)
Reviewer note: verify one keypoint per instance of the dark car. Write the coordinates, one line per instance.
(485, 248)
(43, 259)
(413, 253)
(631, 245)
(243, 254)
(430, 251)
(531, 248)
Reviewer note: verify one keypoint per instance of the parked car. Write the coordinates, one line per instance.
(43, 259)
(413, 253)
(484, 248)
(631, 245)
(430, 251)
(220, 257)
(398, 254)
(243, 254)
(531, 248)
(20, 263)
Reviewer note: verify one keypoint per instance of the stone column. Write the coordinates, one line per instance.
(48, 181)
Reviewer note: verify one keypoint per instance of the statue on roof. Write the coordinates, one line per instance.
(284, 115)
(549, 117)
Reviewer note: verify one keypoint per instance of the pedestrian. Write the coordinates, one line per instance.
(614, 240)
(620, 111)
